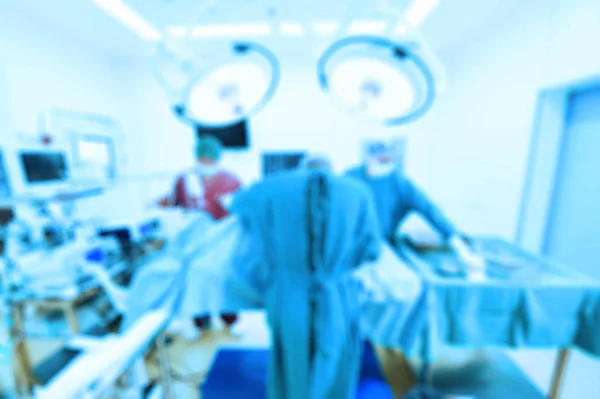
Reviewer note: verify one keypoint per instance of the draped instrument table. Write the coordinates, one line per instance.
(524, 301)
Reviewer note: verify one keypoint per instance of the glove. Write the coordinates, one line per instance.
(475, 264)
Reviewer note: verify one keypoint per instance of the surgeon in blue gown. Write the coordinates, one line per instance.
(312, 230)
(395, 195)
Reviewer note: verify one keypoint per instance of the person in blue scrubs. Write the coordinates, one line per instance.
(395, 195)
(312, 230)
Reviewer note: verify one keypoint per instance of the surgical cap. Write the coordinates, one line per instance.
(209, 147)
(377, 148)
(311, 161)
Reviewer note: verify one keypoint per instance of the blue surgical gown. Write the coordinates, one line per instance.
(395, 197)
(312, 229)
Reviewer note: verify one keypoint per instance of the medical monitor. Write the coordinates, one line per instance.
(231, 136)
(5, 190)
(44, 166)
(277, 162)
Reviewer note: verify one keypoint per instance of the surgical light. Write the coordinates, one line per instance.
(234, 89)
(129, 17)
(237, 30)
(372, 87)
(227, 92)
(377, 79)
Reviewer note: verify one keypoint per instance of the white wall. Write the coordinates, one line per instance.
(575, 40)
(45, 68)
(478, 136)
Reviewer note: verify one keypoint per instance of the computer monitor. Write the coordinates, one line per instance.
(277, 162)
(44, 166)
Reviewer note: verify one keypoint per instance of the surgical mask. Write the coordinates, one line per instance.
(206, 170)
(377, 169)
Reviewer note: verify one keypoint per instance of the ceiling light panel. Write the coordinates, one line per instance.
(130, 18)
(291, 28)
(367, 27)
(325, 28)
(231, 30)
(419, 11)
(176, 31)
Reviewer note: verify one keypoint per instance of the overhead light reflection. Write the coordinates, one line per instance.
(238, 30)
(324, 28)
(290, 28)
(400, 29)
(176, 31)
(129, 17)
(419, 11)
(367, 27)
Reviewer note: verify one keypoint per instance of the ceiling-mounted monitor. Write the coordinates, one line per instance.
(231, 136)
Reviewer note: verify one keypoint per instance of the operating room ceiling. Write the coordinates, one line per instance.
(446, 29)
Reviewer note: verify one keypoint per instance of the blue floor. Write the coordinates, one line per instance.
(238, 373)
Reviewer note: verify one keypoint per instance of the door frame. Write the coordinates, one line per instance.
(544, 163)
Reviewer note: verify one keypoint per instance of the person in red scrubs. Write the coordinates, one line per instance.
(209, 188)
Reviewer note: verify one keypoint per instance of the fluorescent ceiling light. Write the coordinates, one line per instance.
(176, 31)
(419, 10)
(326, 27)
(400, 29)
(365, 27)
(290, 28)
(211, 31)
(129, 17)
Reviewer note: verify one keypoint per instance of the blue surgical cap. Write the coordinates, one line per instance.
(209, 147)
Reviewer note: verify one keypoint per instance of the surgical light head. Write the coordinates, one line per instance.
(378, 79)
(224, 88)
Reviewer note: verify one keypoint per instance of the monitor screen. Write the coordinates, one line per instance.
(273, 163)
(232, 136)
(42, 167)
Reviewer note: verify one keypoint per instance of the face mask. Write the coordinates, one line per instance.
(206, 170)
(377, 169)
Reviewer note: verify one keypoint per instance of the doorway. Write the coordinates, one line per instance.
(573, 230)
